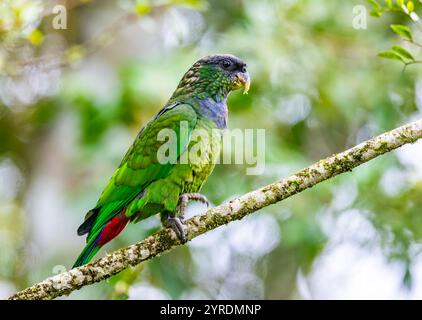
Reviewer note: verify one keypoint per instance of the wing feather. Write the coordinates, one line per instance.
(140, 166)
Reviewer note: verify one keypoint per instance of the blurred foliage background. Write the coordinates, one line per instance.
(72, 100)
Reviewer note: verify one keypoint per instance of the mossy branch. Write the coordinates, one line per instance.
(236, 209)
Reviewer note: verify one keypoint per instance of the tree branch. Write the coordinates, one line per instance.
(236, 209)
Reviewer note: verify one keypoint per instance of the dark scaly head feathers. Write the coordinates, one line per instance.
(214, 76)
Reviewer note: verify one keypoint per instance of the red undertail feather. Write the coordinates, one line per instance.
(109, 231)
(112, 229)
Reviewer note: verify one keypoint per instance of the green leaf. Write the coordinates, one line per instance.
(375, 4)
(391, 55)
(75, 53)
(36, 37)
(410, 6)
(194, 4)
(400, 3)
(142, 8)
(375, 13)
(402, 31)
(403, 52)
(389, 3)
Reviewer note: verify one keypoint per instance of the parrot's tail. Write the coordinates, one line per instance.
(107, 233)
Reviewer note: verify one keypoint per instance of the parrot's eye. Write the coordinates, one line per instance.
(226, 64)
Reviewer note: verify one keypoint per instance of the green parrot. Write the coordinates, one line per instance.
(149, 181)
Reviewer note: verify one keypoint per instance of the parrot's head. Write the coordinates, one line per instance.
(215, 75)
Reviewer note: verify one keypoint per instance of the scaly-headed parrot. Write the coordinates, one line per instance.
(150, 181)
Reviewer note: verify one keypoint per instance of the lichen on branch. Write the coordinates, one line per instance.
(236, 209)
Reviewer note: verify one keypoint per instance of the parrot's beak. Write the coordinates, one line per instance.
(242, 79)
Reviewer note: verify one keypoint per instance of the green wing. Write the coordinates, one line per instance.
(140, 166)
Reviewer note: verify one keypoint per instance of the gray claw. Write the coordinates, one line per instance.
(177, 226)
(186, 197)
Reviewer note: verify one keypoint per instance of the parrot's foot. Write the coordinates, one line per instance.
(177, 226)
(175, 221)
(184, 200)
